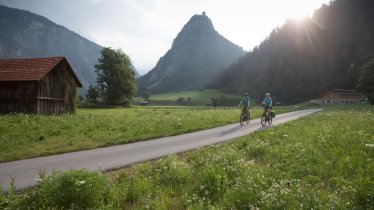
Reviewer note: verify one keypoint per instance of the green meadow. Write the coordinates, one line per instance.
(322, 161)
(24, 136)
(202, 97)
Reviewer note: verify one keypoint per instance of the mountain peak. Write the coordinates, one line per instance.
(198, 53)
(199, 21)
(197, 26)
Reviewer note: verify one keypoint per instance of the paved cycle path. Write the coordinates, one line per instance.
(26, 172)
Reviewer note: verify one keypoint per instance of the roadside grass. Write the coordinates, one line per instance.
(322, 161)
(24, 136)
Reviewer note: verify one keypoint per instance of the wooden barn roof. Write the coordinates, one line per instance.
(33, 69)
(346, 92)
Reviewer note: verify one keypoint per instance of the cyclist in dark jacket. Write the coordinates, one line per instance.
(245, 102)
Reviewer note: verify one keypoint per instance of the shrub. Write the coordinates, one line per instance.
(243, 195)
(8, 200)
(137, 189)
(75, 189)
(172, 172)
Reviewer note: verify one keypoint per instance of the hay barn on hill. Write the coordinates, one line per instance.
(46, 86)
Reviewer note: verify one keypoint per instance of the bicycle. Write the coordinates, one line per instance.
(266, 118)
(244, 117)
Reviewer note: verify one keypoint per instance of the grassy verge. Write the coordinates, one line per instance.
(323, 161)
(24, 136)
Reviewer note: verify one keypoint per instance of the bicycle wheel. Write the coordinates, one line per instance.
(248, 117)
(270, 120)
(263, 120)
(242, 118)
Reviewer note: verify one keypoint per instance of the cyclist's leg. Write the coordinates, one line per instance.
(267, 112)
(264, 114)
(246, 112)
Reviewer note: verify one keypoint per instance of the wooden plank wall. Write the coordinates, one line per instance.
(18, 97)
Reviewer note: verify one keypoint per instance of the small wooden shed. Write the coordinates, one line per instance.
(46, 86)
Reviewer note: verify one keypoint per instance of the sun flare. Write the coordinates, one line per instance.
(300, 9)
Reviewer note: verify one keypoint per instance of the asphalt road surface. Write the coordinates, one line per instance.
(26, 172)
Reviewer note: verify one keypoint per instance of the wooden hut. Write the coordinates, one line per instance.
(46, 86)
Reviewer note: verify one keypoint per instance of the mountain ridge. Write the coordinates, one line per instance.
(29, 35)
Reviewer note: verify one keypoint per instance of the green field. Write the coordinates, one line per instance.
(197, 97)
(323, 161)
(24, 136)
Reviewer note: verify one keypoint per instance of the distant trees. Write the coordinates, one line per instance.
(222, 100)
(366, 80)
(215, 101)
(180, 100)
(92, 94)
(115, 77)
(146, 95)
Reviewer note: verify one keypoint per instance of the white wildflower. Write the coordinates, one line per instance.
(80, 182)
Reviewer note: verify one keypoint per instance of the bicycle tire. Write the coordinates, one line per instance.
(242, 119)
(270, 121)
(263, 121)
(248, 118)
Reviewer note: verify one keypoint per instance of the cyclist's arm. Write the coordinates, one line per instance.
(241, 102)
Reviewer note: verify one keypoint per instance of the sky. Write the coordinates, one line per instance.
(145, 29)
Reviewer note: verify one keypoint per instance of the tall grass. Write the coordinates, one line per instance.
(324, 161)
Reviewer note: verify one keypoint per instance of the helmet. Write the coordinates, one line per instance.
(267, 94)
(245, 94)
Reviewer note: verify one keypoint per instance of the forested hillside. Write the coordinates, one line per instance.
(198, 54)
(302, 59)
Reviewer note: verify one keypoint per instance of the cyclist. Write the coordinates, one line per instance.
(245, 102)
(268, 104)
